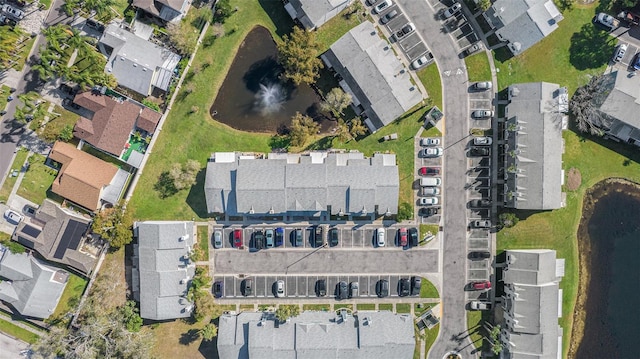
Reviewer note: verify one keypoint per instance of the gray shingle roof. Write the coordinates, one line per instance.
(345, 181)
(373, 72)
(314, 13)
(31, 287)
(316, 335)
(163, 267)
(623, 100)
(135, 62)
(537, 144)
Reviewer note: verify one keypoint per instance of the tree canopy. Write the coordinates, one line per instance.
(114, 225)
(584, 104)
(298, 54)
(302, 127)
(336, 101)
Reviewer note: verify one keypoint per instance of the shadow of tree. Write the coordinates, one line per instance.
(189, 337)
(502, 54)
(196, 197)
(590, 48)
(164, 186)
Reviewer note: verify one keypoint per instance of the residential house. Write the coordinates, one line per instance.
(380, 334)
(31, 287)
(620, 106)
(535, 118)
(370, 71)
(167, 10)
(521, 24)
(313, 13)
(86, 180)
(162, 268)
(138, 64)
(313, 185)
(111, 121)
(532, 304)
(59, 235)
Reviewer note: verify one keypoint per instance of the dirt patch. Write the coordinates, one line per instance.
(574, 179)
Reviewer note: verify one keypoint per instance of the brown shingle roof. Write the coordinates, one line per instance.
(111, 124)
(148, 120)
(82, 176)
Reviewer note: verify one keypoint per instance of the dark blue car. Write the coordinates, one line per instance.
(279, 236)
(218, 289)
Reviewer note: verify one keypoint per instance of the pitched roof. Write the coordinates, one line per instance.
(163, 268)
(58, 235)
(148, 120)
(82, 176)
(374, 74)
(111, 123)
(537, 145)
(314, 13)
(347, 182)
(31, 287)
(622, 100)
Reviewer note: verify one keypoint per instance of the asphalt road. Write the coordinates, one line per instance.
(456, 109)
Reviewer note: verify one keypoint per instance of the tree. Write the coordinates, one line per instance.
(484, 5)
(508, 219)
(627, 3)
(114, 225)
(285, 312)
(223, 11)
(342, 131)
(405, 211)
(302, 127)
(184, 176)
(182, 36)
(130, 316)
(208, 332)
(66, 134)
(585, 103)
(298, 55)
(336, 101)
(357, 128)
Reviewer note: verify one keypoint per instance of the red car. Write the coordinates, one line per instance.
(483, 285)
(237, 238)
(429, 171)
(402, 233)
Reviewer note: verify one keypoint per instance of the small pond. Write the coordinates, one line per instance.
(253, 98)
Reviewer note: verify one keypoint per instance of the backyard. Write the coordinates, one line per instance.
(69, 300)
(478, 67)
(37, 180)
(5, 191)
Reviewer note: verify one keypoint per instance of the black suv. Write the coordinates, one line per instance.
(479, 151)
(321, 288)
(258, 239)
(342, 291)
(416, 284)
(413, 237)
(318, 239)
(479, 203)
(382, 288)
(333, 237)
(247, 287)
(404, 287)
(479, 255)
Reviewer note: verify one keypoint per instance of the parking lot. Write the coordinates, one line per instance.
(304, 286)
(480, 100)
(432, 162)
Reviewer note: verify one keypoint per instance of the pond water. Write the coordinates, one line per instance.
(252, 96)
(612, 304)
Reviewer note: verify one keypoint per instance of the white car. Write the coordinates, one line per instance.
(12, 12)
(482, 86)
(482, 141)
(380, 237)
(479, 305)
(432, 152)
(429, 141)
(606, 20)
(620, 51)
(423, 60)
(430, 191)
(280, 289)
(13, 216)
(383, 5)
(452, 10)
(428, 201)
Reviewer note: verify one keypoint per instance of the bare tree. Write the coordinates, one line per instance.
(336, 101)
(585, 103)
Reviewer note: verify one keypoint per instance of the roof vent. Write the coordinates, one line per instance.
(135, 65)
(184, 281)
(184, 238)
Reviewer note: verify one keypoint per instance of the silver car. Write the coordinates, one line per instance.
(217, 239)
(479, 114)
(388, 16)
(482, 141)
(482, 86)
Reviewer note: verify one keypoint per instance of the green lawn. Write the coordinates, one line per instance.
(430, 78)
(45, 3)
(203, 242)
(428, 290)
(318, 307)
(16, 331)
(339, 306)
(430, 337)
(69, 300)
(4, 93)
(24, 52)
(57, 121)
(37, 180)
(333, 29)
(478, 67)
(426, 228)
(5, 191)
(366, 306)
(403, 308)
(385, 306)
(475, 318)
(246, 307)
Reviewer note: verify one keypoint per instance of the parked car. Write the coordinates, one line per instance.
(372, 2)
(480, 255)
(636, 62)
(280, 288)
(430, 191)
(381, 6)
(12, 12)
(431, 152)
(405, 30)
(382, 288)
(353, 290)
(95, 25)
(480, 114)
(237, 238)
(452, 10)
(279, 236)
(429, 141)
(13, 216)
(217, 239)
(247, 287)
(607, 21)
(333, 237)
(321, 288)
(258, 239)
(380, 237)
(413, 237)
(479, 151)
(482, 141)
(479, 203)
(429, 211)
(388, 16)
(269, 238)
(416, 285)
(403, 239)
(421, 61)
(318, 236)
(299, 237)
(342, 291)
(620, 51)
(430, 181)
(404, 287)
(428, 201)
(473, 48)
(218, 289)
(481, 223)
(429, 171)
(482, 86)
(480, 285)
(480, 305)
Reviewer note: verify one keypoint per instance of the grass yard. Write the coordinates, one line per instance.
(18, 332)
(57, 121)
(22, 55)
(426, 228)
(478, 67)
(9, 182)
(567, 56)
(318, 307)
(45, 3)
(430, 78)
(475, 319)
(428, 290)
(37, 180)
(340, 306)
(179, 339)
(430, 337)
(333, 29)
(247, 308)
(366, 306)
(69, 300)
(385, 306)
(403, 308)
(203, 242)
(4, 92)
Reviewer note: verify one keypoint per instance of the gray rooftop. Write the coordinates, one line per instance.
(316, 335)
(374, 74)
(314, 13)
(31, 287)
(136, 63)
(623, 100)
(163, 268)
(523, 22)
(113, 192)
(348, 182)
(537, 145)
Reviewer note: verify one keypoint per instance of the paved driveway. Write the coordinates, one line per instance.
(11, 348)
